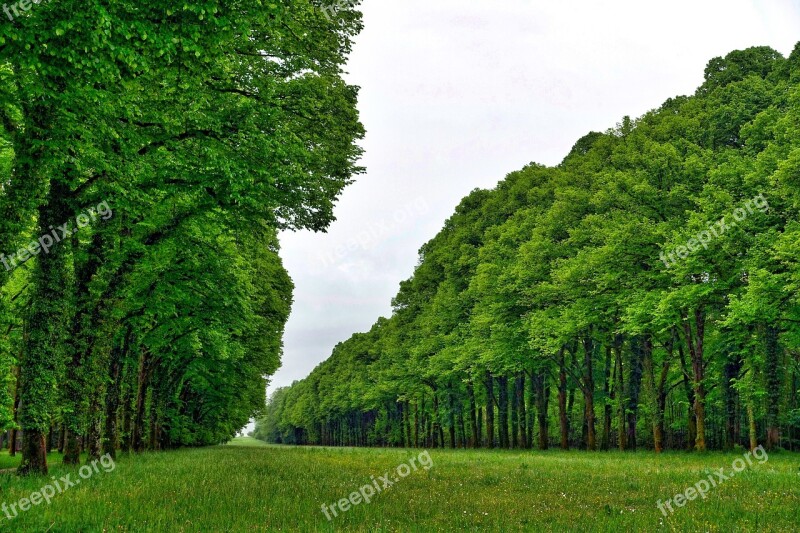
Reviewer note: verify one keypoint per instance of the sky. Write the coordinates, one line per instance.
(455, 94)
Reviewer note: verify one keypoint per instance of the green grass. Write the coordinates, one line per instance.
(244, 488)
(7, 461)
(246, 441)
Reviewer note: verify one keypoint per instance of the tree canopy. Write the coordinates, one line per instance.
(201, 129)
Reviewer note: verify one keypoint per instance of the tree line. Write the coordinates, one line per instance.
(641, 294)
(205, 128)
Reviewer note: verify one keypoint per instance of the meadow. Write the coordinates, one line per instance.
(250, 486)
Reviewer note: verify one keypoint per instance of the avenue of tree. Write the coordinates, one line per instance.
(207, 127)
(543, 315)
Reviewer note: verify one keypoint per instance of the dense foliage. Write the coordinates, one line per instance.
(175, 140)
(643, 293)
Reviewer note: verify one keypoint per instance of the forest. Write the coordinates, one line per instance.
(642, 294)
(150, 153)
(578, 348)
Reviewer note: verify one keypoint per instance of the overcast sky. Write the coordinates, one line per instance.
(455, 94)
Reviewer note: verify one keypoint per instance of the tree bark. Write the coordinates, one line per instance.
(542, 394)
(531, 411)
(12, 438)
(691, 423)
(407, 422)
(563, 418)
(608, 376)
(50, 439)
(416, 425)
(622, 436)
(50, 317)
(502, 410)
(695, 343)
(588, 393)
(751, 421)
(141, 394)
(62, 438)
(95, 433)
(111, 441)
(489, 410)
(34, 453)
(654, 395)
(436, 430)
(730, 397)
(519, 393)
(451, 418)
(514, 416)
(772, 371)
(473, 416)
(639, 347)
(72, 449)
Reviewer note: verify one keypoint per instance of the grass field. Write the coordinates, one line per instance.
(253, 487)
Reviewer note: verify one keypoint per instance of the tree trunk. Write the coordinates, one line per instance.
(662, 382)
(430, 438)
(12, 443)
(95, 434)
(50, 439)
(407, 421)
(489, 410)
(463, 428)
(62, 438)
(622, 436)
(49, 320)
(563, 418)
(519, 393)
(12, 439)
(111, 440)
(34, 453)
(696, 350)
(451, 418)
(72, 449)
(141, 393)
(542, 394)
(772, 371)
(653, 394)
(502, 410)
(531, 411)
(730, 397)
(473, 416)
(436, 429)
(416, 425)
(691, 423)
(608, 376)
(588, 393)
(127, 419)
(514, 443)
(639, 347)
(751, 420)
(480, 427)
(155, 428)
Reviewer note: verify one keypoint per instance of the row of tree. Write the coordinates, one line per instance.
(204, 128)
(643, 293)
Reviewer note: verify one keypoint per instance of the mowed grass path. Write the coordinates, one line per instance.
(251, 487)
